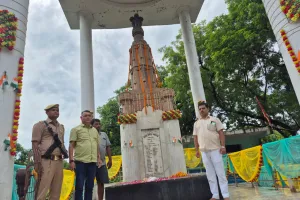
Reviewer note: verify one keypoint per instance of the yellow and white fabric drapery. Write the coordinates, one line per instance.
(68, 184)
(190, 158)
(247, 163)
(116, 166)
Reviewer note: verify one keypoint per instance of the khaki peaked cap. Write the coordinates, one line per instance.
(51, 106)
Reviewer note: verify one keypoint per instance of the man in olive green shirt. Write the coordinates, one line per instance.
(84, 139)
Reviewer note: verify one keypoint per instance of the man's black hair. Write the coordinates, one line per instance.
(95, 120)
(88, 111)
(203, 103)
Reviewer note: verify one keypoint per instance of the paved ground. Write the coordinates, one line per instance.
(246, 192)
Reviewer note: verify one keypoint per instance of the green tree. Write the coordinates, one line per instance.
(271, 138)
(22, 155)
(66, 164)
(109, 117)
(239, 61)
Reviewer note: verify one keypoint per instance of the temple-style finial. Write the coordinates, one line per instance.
(137, 23)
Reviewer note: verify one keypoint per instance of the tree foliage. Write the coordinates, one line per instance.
(22, 155)
(271, 138)
(108, 116)
(239, 60)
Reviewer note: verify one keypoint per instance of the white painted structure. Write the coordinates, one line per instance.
(191, 57)
(279, 21)
(152, 154)
(113, 14)
(86, 63)
(9, 61)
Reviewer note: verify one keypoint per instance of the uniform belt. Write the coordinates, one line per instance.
(54, 157)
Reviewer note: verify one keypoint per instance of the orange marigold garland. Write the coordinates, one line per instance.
(290, 50)
(14, 135)
(255, 179)
(131, 118)
(171, 114)
(178, 174)
(127, 119)
(20, 76)
(8, 27)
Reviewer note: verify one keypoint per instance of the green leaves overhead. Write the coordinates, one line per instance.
(239, 60)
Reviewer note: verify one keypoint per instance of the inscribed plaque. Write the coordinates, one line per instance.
(152, 153)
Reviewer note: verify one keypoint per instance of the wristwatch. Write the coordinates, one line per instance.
(71, 161)
(222, 147)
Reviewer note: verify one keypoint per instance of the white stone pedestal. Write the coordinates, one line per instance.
(152, 154)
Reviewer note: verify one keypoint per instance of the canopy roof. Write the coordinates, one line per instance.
(114, 14)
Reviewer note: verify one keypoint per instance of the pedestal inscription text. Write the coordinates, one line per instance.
(152, 153)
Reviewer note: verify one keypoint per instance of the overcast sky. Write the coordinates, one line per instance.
(52, 62)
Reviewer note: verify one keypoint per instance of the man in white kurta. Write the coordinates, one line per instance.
(210, 140)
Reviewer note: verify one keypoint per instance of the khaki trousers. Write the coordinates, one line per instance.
(51, 179)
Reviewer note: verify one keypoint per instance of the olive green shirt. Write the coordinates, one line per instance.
(87, 143)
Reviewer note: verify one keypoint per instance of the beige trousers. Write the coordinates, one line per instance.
(51, 179)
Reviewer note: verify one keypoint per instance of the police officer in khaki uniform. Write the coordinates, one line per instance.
(48, 154)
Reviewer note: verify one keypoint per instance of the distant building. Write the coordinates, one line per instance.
(236, 140)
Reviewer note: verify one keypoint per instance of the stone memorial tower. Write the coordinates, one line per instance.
(150, 134)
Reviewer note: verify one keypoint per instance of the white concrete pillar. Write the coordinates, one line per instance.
(279, 21)
(191, 57)
(9, 62)
(86, 63)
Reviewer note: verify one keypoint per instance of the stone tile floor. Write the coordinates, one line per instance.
(246, 192)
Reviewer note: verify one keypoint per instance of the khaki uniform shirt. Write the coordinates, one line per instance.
(44, 138)
(87, 143)
(207, 132)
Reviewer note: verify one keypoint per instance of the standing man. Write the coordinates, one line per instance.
(102, 173)
(84, 139)
(48, 153)
(210, 139)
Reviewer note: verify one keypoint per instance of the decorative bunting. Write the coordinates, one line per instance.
(177, 140)
(14, 84)
(130, 143)
(7, 143)
(3, 80)
(247, 163)
(266, 116)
